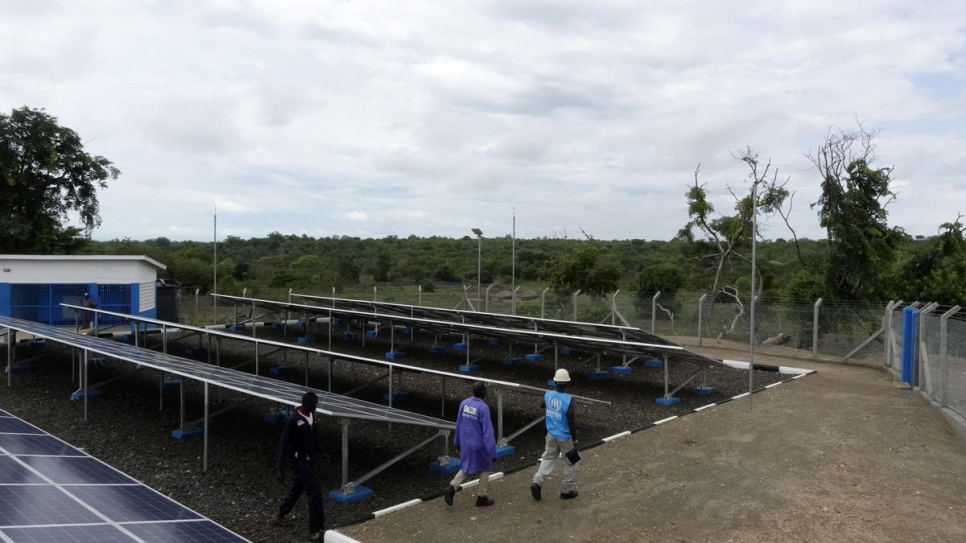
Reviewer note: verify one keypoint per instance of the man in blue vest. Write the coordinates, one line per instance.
(560, 431)
(474, 438)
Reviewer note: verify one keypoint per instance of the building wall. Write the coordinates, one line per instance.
(33, 287)
(76, 271)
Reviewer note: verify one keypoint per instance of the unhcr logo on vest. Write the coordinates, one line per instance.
(553, 408)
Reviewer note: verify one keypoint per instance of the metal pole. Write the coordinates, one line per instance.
(513, 262)
(654, 310)
(205, 461)
(479, 266)
(85, 384)
(214, 288)
(818, 304)
(751, 330)
(701, 318)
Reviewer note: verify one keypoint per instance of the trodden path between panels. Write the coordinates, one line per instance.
(839, 455)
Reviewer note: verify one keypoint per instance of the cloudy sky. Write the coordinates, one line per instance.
(377, 118)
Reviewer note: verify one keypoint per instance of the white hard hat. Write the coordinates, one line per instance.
(562, 376)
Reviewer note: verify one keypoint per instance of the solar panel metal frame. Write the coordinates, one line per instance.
(593, 344)
(263, 387)
(344, 356)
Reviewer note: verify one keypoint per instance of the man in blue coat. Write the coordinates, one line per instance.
(474, 438)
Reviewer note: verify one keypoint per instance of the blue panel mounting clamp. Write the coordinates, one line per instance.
(358, 494)
(505, 450)
(450, 465)
(187, 433)
(91, 394)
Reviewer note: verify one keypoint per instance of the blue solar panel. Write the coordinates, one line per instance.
(13, 425)
(77, 470)
(36, 444)
(13, 472)
(25, 505)
(91, 533)
(131, 503)
(51, 491)
(176, 532)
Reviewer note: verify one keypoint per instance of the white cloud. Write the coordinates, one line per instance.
(429, 118)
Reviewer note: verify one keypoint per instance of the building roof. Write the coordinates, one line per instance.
(89, 258)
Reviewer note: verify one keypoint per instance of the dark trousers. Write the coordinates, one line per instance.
(306, 481)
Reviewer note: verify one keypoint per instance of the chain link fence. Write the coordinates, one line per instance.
(931, 356)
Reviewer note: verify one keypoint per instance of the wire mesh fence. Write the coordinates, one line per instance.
(932, 355)
(875, 331)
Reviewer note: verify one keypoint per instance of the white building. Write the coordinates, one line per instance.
(32, 287)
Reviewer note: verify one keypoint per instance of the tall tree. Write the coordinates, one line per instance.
(46, 180)
(852, 209)
(717, 238)
(586, 269)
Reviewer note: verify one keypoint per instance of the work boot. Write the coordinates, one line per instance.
(448, 494)
(535, 491)
(280, 520)
(568, 495)
(483, 501)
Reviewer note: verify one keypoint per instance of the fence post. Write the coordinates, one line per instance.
(513, 305)
(486, 304)
(419, 296)
(887, 328)
(543, 296)
(575, 304)
(289, 295)
(943, 354)
(920, 358)
(701, 317)
(197, 315)
(654, 309)
(613, 307)
(375, 290)
(818, 304)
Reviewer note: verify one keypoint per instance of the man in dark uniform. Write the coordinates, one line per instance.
(297, 448)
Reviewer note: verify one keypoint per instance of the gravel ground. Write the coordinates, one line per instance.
(130, 426)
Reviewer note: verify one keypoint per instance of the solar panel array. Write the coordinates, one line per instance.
(264, 387)
(581, 336)
(52, 491)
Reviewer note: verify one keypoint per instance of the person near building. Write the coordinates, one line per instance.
(477, 445)
(86, 316)
(298, 448)
(561, 429)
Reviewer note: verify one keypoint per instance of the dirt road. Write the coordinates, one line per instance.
(839, 455)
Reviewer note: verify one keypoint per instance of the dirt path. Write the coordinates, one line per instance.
(840, 455)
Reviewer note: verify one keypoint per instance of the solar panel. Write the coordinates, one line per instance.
(264, 387)
(67, 495)
(568, 333)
